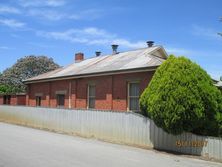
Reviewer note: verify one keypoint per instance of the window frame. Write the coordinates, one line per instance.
(129, 97)
(90, 97)
(7, 99)
(38, 101)
(58, 105)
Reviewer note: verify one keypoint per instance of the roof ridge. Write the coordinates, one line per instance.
(157, 46)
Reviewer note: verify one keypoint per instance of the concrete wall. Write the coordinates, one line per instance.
(111, 91)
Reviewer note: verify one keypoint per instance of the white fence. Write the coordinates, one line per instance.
(122, 127)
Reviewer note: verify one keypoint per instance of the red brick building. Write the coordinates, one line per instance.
(111, 82)
(13, 99)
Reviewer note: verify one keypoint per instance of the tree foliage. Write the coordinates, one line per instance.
(181, 97)
(27, 67)
(7, 89)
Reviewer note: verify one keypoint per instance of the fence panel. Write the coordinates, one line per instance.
(122, 127)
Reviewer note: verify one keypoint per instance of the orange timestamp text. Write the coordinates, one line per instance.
(191, 143)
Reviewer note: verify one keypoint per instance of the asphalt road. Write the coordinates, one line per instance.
(26, 147)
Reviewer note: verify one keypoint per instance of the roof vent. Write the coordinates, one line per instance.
(79, 57)
(98, 53)
(150, 43)
(114, 47)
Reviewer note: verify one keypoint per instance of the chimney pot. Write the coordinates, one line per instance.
(98, 53)
(114, 47)
(150, 43)
(79, 57)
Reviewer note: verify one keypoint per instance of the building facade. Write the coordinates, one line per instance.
(13, 99)
(111, 92)
(112, 82)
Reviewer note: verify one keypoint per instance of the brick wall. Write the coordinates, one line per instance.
(1, 99)
(111, 91)
(120, 86)
(21, 100)
(103, 92)
(14, 100)
(36, 89)
(56, 87)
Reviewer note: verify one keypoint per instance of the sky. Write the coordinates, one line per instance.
(61, 28)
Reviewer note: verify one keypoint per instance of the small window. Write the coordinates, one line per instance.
(91, 96)
(7, 99)
(38, 100)
(133, 96)
(60, 100)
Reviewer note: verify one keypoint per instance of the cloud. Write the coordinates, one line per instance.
(91, 36)
(47, 14)
(4, 48)
(54, 15)
(89, 14)
(45, 9)
(198, 54)
(12, 23)
(8, 9)
(40, 45)
(128, 44)
(42, 3)
(208, 33)
(179, 51)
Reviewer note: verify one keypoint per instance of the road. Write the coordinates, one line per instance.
(27, 147)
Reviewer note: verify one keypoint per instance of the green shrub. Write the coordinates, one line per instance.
(181, 97)
(7, 89)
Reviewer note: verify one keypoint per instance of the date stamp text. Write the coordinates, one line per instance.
(194, 143)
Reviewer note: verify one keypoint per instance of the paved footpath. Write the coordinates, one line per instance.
(27, 147)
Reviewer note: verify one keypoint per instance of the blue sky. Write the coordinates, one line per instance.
(60, 28)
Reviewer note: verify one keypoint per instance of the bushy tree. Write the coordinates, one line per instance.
(27, 67)
(181, 97)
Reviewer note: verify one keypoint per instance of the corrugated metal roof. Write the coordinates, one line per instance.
(219, 84)
(140, 58)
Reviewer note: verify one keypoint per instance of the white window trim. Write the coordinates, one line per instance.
(88, 97)
(128, 96)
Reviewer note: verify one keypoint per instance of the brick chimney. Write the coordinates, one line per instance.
(79, 57)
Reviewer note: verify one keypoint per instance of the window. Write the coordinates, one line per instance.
(91, 96)
(133, 96)
(38, 100)
(60, 100)
(7, 99)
